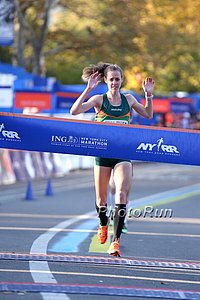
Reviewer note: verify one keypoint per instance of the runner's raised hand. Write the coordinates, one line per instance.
(94, 80)
(148, 85)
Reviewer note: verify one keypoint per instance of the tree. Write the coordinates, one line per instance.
(33, 23)
(169, 45)
(160, 38)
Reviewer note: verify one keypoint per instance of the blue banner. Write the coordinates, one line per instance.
(177, 146)
(176, 107)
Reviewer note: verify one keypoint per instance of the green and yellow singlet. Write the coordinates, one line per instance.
(121, 114)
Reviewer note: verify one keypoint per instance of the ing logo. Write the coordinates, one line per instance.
(65, 139)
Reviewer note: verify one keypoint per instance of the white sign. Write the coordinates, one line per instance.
(6, 97)
(6, 80)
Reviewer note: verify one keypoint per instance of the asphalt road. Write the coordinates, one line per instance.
(49, 247)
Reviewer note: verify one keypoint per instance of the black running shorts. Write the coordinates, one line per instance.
(108, 162)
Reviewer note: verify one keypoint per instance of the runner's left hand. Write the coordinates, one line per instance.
(148, 85)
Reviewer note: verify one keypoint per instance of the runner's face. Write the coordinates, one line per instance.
(114, 80)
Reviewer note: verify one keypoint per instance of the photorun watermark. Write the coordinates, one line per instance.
(146, 212)
(150, 211)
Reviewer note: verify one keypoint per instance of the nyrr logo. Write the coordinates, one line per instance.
(158, 148)
(8, 133)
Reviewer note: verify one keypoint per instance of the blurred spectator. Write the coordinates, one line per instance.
(168, 119)
(185, 122)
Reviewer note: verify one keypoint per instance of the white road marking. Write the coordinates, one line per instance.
(41, 243)
(56, 230)
(49, 216)
(39, 246)
(43, 216)
(46, 272)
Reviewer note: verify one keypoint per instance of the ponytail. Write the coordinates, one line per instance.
(101, 68)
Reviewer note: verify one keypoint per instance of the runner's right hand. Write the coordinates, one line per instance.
(94, 80)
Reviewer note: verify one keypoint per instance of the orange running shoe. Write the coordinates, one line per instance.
(103, 233)
(114, 249)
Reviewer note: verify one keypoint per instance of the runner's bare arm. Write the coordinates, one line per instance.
(79, 105)
(146, 110)
(138, 107)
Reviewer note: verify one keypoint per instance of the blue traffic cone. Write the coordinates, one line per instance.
(49, 190)
(29, 192)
